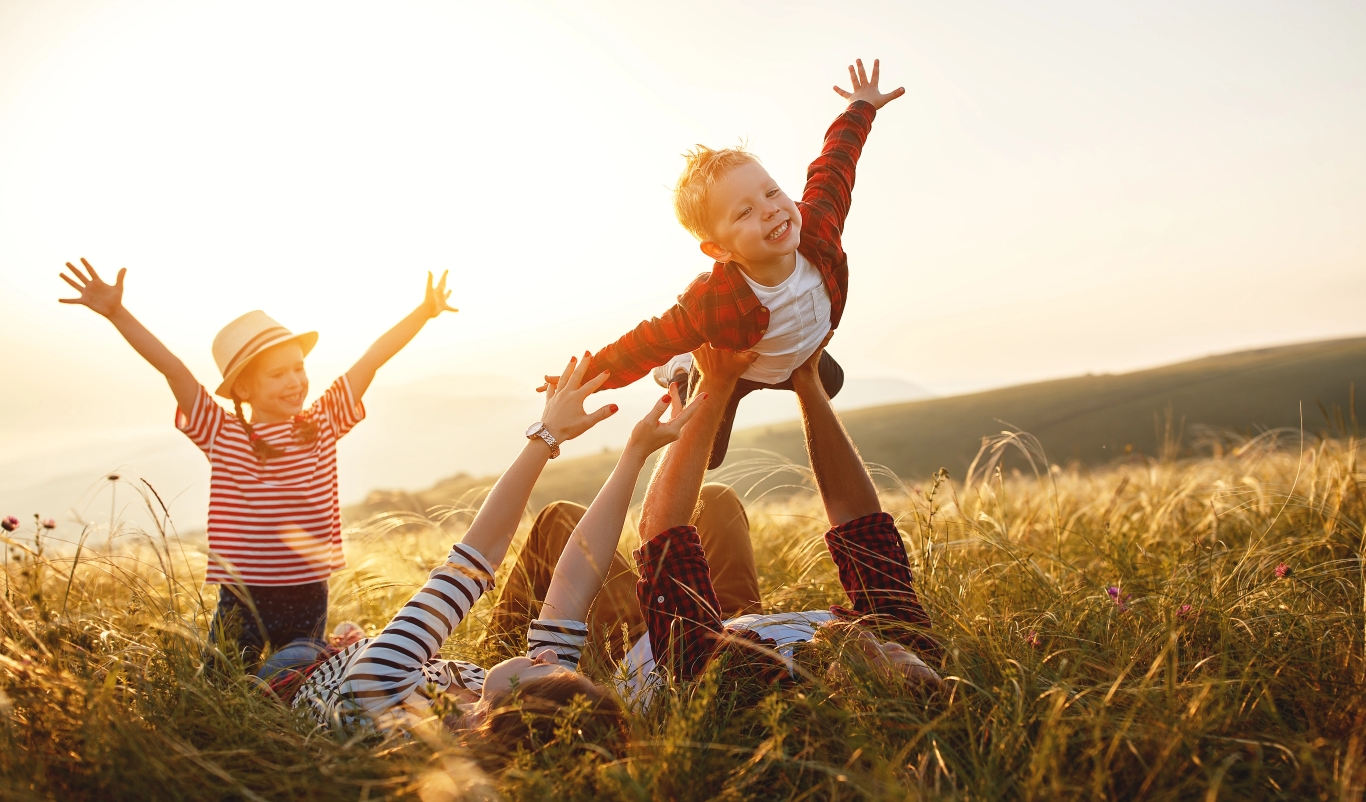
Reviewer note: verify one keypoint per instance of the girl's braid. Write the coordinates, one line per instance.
(264, 450)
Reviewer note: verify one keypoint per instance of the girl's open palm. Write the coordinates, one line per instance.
(94, 292)
(865, 87)
(435, 300)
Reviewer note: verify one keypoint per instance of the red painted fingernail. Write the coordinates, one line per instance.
(665, 399)
(612, 408)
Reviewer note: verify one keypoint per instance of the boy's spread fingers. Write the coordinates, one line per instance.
(69, 280)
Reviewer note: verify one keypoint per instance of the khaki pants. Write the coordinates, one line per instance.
(615, 620)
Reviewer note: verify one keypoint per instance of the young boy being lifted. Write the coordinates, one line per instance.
(781, 276)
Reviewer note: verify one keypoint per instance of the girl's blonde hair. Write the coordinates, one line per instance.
(704, 168)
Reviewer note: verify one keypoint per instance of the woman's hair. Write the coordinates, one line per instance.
(305, 428)
(530, 715)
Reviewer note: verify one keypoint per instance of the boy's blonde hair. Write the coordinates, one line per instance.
(705, 166)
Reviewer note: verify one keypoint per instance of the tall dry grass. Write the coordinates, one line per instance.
(1118, 633)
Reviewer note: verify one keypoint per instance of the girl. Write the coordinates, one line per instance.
(397, 677)
(274, 519)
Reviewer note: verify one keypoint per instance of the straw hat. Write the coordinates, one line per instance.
(245, 338)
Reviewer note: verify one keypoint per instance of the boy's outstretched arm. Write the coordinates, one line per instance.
(830, 178)
(434, 303)
(107, 299)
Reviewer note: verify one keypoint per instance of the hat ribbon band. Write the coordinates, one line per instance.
(249, 350)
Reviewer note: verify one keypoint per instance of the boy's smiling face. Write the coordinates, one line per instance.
(275, 383)
(752, 221)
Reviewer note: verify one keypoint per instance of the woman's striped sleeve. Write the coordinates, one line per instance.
(391, 665)
(564, 636)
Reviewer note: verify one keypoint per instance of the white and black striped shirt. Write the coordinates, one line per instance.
(396, 673)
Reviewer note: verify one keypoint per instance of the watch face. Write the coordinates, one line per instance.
(533, 429)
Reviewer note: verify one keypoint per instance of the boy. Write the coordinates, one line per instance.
(781, 276)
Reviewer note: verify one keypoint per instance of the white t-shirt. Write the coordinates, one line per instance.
(798, 319)
(785, 629)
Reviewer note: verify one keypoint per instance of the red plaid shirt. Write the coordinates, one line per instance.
(680, 605)
(719, 307)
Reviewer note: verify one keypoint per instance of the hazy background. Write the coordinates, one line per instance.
(1066, 187)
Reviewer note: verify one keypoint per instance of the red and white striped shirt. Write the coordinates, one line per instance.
(277, 523)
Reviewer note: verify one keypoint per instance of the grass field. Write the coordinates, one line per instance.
(1178, 627)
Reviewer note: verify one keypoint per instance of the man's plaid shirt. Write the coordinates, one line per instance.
(719, 307)
(681, 609)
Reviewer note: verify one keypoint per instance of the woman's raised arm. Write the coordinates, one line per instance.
(583, 564)
(495, 524)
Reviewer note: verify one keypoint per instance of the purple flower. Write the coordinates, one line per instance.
(1119, 596)
(10, 523)
(49, 523)
(1183, 611)
(1033, 639)
(1283, 571)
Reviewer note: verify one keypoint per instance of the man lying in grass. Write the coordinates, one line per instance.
(397, 678)
(675, 589)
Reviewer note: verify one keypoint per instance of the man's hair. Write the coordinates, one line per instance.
(530, 715)
(705, 167)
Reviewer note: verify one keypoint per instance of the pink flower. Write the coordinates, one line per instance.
(1183, 611)
(1033, 639)
(10, 523)
(49, 523)
(1283, 571)
(1119, 597)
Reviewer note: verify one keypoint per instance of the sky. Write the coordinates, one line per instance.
(1066, 187)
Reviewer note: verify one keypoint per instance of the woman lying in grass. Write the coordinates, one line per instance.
(397, 677)
(676, 586)
(700, 583)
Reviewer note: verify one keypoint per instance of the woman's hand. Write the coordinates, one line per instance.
(564, 416)
(650, 434)
(865, 88)
(434, 303)
(94, 293)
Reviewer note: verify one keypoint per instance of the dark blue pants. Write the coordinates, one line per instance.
(268, 617)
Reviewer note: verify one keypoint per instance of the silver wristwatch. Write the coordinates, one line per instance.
(538, 430)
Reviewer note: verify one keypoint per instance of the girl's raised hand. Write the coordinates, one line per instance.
(564, 416)
(650, 434)
(94, 292)
(435, 301)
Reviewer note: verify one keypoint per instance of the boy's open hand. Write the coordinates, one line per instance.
(94, 293)
(435, 301)
(865, 88)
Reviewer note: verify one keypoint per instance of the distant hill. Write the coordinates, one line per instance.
(1092, 419)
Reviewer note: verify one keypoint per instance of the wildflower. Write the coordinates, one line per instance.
(1183, 611)
(10, 523)
(49, 523)
(1119, 596)
(1033, 639)
(1283, 571)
